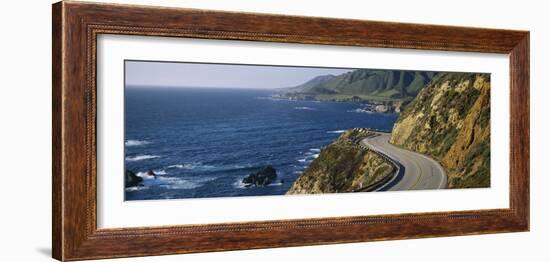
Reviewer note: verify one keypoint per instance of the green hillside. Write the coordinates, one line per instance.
(362, 84)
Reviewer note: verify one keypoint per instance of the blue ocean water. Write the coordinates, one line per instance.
(201, 142)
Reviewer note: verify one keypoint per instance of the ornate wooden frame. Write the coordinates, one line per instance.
(76, 26)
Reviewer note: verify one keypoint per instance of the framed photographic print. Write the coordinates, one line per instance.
(196, 131)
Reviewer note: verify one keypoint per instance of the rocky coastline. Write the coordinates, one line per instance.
(344, 166)
(449, 121)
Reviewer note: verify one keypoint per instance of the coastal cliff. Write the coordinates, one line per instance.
(362, 85)
(343, 166)
(449, 121)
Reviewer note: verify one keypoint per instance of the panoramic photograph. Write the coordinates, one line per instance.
(204, 130)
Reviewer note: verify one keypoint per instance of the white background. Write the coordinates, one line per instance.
(114, 212)
(25, 147)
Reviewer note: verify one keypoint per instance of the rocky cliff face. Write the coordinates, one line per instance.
(449, 120)
(343, 166)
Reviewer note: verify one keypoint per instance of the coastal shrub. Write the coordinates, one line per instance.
(482, 151)
(468, 98)
(448, 141)
(481, 178)
(451, 94)
(484, 118)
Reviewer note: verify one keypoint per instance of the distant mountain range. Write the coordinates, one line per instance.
(362, 84)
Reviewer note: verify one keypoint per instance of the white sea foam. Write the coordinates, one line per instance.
(188, 183)
(336, 132)
(191, 166)
(136, 142)
(304, 108)
(308, 156)
(145, 176)
(140, 157)
(239, 184)
(266, 98)
(136, 188)
(360, 110)
(201, 166)
(241, 166)
(160, 172)
(170, 182)
(182, 184)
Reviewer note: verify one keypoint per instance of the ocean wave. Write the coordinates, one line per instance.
(265, 98)
(170, 182)
(186, 183)
(309, 156)
(239, 184)
(336, 132)
(136, 142)
(313, 150)
(198, 166)
(304, 108)
(146, 176)
(136, 188)
(141, 157)
(160, 172)
(183, 184)
(192, 166)
(360, 110)
(274, 98)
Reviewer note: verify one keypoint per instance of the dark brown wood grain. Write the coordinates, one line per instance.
(76, 26)
(57, 195)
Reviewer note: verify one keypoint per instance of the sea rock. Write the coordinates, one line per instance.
(131, 179)
(151, 173)
(263, 177)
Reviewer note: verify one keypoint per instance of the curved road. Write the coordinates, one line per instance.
(416, 171)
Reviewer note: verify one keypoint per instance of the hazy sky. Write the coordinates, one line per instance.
(219, 75)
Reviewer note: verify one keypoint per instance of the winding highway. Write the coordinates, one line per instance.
(415, 171)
